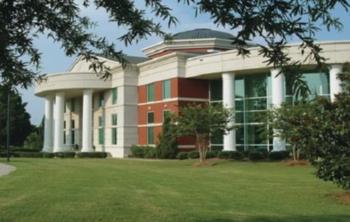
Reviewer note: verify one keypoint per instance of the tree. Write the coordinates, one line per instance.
(20, 126)
(167, 146)
(202, 121)
(21, 22)
(35, 139)
(321, 129)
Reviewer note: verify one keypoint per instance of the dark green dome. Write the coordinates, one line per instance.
(202, 34)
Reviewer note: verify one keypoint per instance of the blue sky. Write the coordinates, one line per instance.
(54, 60)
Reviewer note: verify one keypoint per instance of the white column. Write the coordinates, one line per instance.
(334, 82)
(228, 98)
(278, 91)
(58, 145)
(48, 124)
(87, 121)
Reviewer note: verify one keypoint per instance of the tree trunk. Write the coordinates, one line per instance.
(202, 146)
(294, 153)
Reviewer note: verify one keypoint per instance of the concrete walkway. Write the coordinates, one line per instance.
(6, 169)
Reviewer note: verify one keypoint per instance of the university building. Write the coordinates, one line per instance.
(85, 112)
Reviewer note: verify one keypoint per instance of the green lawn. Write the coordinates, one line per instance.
(137, 190)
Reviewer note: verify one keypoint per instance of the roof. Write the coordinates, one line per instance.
(130, 59)
(202, 34)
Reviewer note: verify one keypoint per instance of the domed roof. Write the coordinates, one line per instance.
(202, 34)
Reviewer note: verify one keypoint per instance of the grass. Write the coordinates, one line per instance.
(140, 190)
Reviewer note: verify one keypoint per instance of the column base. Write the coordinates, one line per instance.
(278, 144)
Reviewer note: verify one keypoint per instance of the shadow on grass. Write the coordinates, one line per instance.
(315, 218)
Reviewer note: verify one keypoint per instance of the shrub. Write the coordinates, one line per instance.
(48, 155)
(182, 155)
(137, 151)
(17, 149)
(278, 155)
(335, 170)
(28, 154)
(33, 141)
(255, 155)
(150, 152)
(167, 147)
(91, 155)
(230, 155)
(212, 154)
(193, 155)
(65, 154)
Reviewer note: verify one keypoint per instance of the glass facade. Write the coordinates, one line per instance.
(150, 129)
(252, 99)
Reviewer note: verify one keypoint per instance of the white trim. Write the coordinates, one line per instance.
(150, 125)
(175, 99)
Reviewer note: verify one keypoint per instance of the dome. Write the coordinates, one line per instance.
(202, 34)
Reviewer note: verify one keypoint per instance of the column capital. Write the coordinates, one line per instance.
(335, 66)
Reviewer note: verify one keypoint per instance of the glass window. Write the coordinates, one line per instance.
(101, 100)
(166, 113)
(255, 134)
(150, 92)
(72, 138)
(114, 135)
(150, 135)
(255, 86)
(64, 137)
(256, 104)
(101, 136)
(72, 105)
(114, 119)
(318, 83)
(166, 89)
(100, 121)
(150, 117)
(64, 124)
(215, 90)
(72, 124)
(114, 95)
(239, 88)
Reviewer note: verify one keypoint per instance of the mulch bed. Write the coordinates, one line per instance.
(341, 197)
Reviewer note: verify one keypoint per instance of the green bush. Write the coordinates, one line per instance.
(65, 154)
(335, 170)
(167, 147)
(137, 151)
(255, 155)
(278, 155)
(182, 155)
(230, 155)
(28, 154)
(91, 155)
(150, 152)
(212, 154)
(33, 141)
(48, 155)
(193, 155)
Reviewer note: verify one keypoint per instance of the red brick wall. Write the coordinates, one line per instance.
(180, 87)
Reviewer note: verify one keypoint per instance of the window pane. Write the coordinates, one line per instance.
(240, 134)
(255, 117)
(114, 95)
(73, 137)
(239, 116)
(166, 113)
(256, 104)
(166, 89)
(215, 90)
(100, 121)
(150, 92)
(255, 134)
(72, 105)
(101, 100)
(239, 105)
(255, 86)
(150, 117)
(114, 119)
(101, 136)
(150, 135)
(114, 136)
(239, 88)
(72, 124)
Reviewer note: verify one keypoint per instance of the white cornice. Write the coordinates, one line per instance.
(188, 43)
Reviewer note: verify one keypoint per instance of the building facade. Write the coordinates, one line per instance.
(87, 113)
